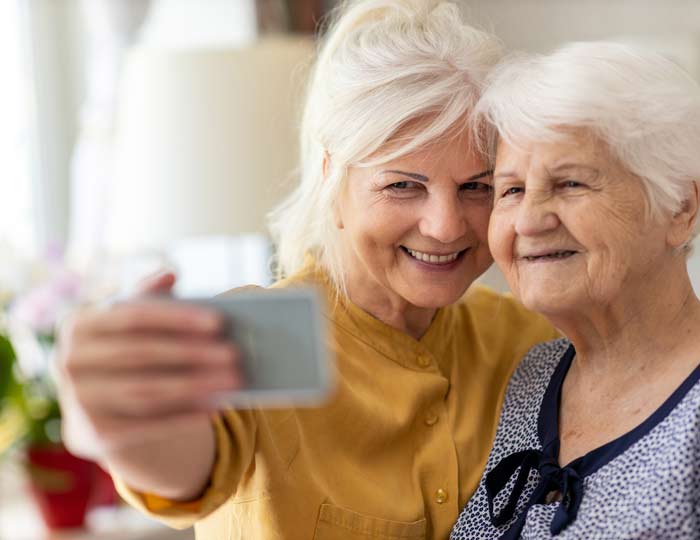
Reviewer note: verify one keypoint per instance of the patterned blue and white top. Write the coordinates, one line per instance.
(642, 485)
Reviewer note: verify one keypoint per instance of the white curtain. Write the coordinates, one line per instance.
(17, 134)
(111, 28)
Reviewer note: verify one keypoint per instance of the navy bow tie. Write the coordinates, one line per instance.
(566, 481)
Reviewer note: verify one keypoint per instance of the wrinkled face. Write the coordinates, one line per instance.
(569, 226)
(415, 229)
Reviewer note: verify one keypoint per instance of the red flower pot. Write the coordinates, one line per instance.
(61, 485)
(103, 491)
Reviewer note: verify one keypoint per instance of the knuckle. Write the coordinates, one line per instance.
(204, 352)
(69, 370)
(224, 352)
(72, 444)
(126, 318)
(69, 365)
(150, 355)
(75, 324)
(83, 400)
(234, 352)
(143, 399)
(123, 354)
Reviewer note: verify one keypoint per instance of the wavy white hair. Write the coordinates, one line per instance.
(400, 71)
(642, 106)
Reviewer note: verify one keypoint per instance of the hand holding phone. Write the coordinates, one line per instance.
(280, 334)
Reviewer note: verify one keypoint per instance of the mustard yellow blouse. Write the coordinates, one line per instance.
(397, 451)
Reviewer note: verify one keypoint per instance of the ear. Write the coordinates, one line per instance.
(683, 220)
(337, 217)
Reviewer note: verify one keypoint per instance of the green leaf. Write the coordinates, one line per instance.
(7, 362)
(29, 411)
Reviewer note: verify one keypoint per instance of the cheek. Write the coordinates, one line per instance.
(478, 220)
(607, 236)
(384, 226)
(611, 224)
(500, 238)
(396, 218)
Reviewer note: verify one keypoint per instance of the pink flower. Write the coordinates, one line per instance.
(44, 305)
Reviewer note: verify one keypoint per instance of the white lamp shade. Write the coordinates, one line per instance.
(206, 140)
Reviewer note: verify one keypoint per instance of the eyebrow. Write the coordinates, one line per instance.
(487, 172)
(505, 174)
(414, 176)
(566, 165)
(423, 178)
(554, 170)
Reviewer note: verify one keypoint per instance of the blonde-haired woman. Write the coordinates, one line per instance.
(390, 222)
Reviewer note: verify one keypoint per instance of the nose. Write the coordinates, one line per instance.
(535, 215)
(443, 219)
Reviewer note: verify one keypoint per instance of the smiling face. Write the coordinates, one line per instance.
(569, 227)
(415, 229)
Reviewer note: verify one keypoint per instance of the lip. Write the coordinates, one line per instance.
(435, 267)
(548, 255)
(437, 253)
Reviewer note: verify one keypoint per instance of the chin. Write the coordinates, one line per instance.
(435, 299)
(546, 304)
(544, 296)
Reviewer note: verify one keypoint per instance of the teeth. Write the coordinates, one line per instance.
(433, 259)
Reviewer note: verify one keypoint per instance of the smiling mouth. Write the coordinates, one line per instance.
(431, 258)
(553, 256)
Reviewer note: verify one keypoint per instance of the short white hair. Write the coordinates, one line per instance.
(641, 105)
(406, 71)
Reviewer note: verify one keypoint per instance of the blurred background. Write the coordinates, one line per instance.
(141, 134)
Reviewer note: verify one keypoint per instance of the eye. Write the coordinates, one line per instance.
(403, 189)
(570, 184)
(476, 186)
(405, 184)
(512, 191)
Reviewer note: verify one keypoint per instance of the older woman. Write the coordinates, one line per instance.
(595, 207)
(390, 222)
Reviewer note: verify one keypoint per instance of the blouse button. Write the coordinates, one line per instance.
(553, 497)
(430, 419)
(441, 496)
(423, 361)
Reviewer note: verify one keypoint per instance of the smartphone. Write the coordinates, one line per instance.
(282, 336)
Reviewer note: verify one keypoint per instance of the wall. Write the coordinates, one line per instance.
(538, 25)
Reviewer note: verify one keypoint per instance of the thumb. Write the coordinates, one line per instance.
(159, 283)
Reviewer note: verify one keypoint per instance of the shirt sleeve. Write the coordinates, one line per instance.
(235, 433)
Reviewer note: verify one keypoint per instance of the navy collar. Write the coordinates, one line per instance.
(567, 480)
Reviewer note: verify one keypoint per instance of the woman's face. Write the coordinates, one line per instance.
(415, 229)
(569, 226)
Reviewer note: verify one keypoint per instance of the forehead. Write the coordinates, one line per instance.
(403, 139)
(567, 147)
(446, 152)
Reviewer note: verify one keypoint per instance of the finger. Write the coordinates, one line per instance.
(150, 316)
(159, 283)
(154, 395)
(145, 354)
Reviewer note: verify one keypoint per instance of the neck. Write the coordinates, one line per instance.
(389, 308)
(637, 331)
